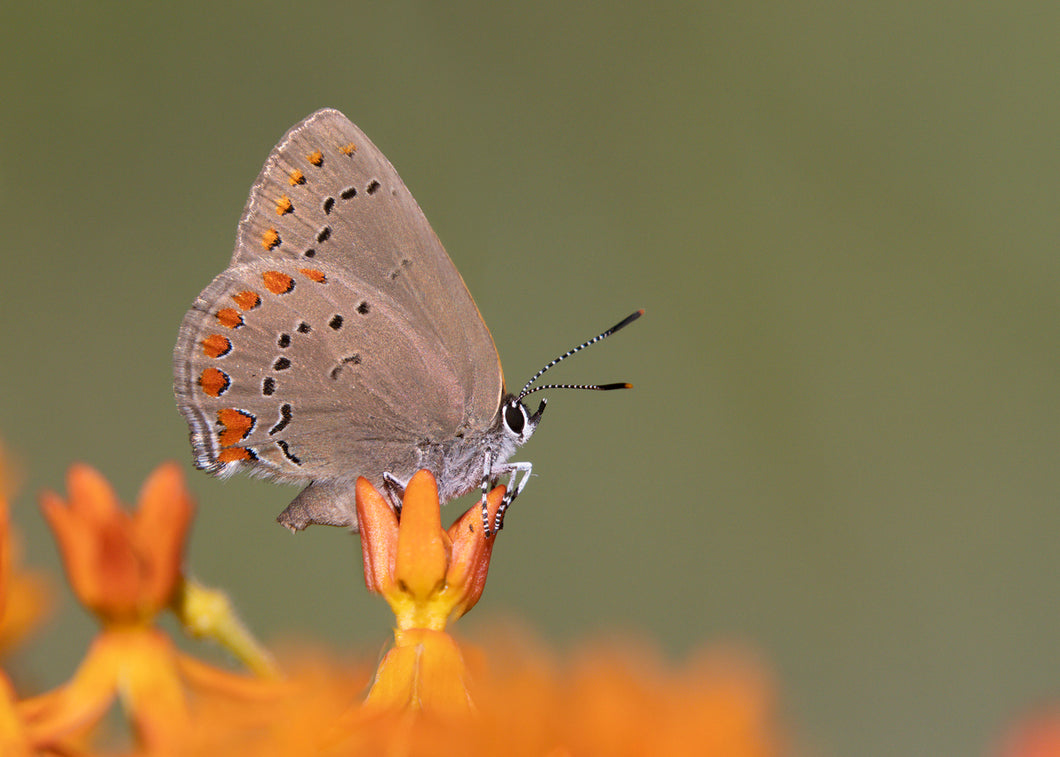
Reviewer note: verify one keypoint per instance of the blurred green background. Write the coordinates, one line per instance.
(842, 220)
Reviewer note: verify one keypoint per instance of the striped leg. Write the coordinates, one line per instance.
(487, 471)
(518, 476)
(516, 484)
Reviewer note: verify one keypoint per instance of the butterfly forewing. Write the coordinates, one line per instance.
(327, 193)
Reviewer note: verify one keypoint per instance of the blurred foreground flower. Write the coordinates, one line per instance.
(429, 696)
(1037, 734)
(126, 568)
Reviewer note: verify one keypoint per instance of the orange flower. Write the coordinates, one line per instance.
(428, 576)
(123, 567)
(1036, 734)
(127, 568)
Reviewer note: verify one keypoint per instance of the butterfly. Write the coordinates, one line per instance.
(341, 342)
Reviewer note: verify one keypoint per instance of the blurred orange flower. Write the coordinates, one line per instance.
(1037, 734)
(611, 700)
(429, 694)
(126, 568)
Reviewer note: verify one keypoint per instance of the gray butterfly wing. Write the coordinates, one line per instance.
(341, 340)
(308, 373)
(326, 193)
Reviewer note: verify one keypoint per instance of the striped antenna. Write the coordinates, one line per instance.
(599, 387)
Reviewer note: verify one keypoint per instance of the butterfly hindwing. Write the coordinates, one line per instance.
(304, 373)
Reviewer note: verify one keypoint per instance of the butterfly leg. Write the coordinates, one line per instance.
(394, 490)
(487, 471)
(516, 484)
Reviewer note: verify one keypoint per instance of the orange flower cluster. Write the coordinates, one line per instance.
(428, 696)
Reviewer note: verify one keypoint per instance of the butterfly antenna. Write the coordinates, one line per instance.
(599, 387)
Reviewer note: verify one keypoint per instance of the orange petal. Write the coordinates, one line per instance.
(378, 525)
(422, 552)
(424, 671)
(13, 741)
(80, 703)
(29, 598)
(161, 524)
(91, 497)
(469, 563)
(6, 559)
(208, 678)
(152, 691)
(77, 545)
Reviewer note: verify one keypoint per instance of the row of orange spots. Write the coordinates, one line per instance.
(214, 381)
(279, 282)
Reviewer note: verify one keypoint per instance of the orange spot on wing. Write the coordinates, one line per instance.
(214, 382)
(277, 282)
(270, 239)
(247, 300)
(314, 274)
(216, 345)
(284, 205)
(238, 425)
(234, 455)
(348, 149)
(296, 177)
(230, 318)
(316, 158)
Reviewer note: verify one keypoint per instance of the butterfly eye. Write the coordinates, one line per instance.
(514, 418)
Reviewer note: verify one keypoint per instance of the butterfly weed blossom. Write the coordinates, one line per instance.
(126, 569)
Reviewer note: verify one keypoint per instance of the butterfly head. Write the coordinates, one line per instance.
(517, 422)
